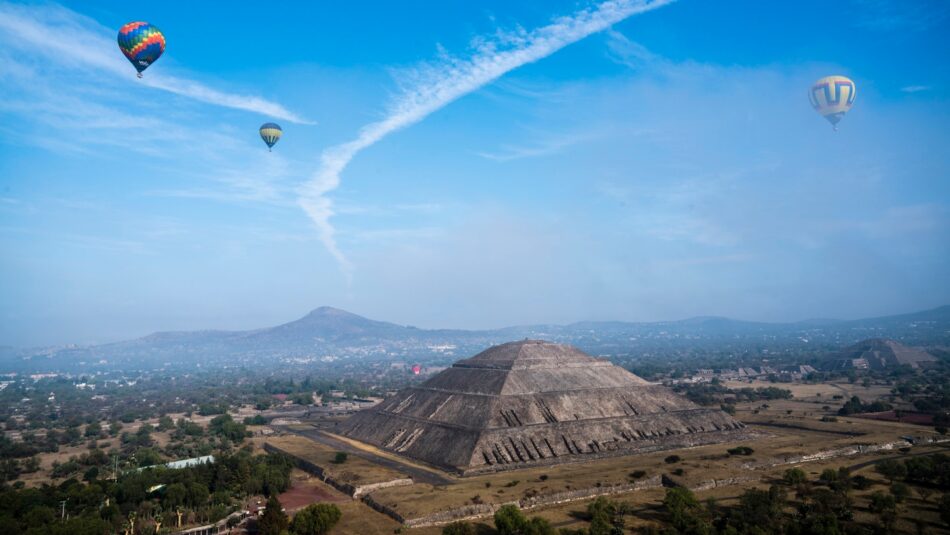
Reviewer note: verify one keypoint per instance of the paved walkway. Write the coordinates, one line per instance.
(417, 473)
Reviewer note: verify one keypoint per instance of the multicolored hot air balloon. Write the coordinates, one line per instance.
(832, 97)
(270, 133)
(142, 43)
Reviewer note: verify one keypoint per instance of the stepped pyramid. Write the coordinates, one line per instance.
(535, 403)
(879, 353)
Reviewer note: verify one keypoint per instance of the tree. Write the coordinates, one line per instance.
(828, 475)
(459, 528)
(316, 519)
(794, 476)
(339, 458)
(165, 423)
(197, 494)
(684, 511)
(759, 508)
(885, 506)
(175, 495)
(31, 465)
(273, 520)
(93, 430)
(900, 492)
(891, 469)
(225, 426)
(945, 509)
(539, 526)
(605, 517)
(509, 520)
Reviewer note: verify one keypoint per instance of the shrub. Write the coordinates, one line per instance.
(257, 419)
(509, 520)
(828, 475)
(315, 519)
(740, 450)
(670, 459)
(891, 469)
(860, 482)
(340, 457)
(459, 528)
(900, 492)
(794, 476)
(637, 474)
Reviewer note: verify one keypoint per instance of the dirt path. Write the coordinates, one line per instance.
(861, 465)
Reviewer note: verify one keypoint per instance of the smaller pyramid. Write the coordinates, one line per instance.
(532, 403)
(880, 353)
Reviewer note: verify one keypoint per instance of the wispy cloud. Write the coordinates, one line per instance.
(630, 53)
(916, 88)
(434, 85)
(892, 15)
(544, 147)
(28, 29)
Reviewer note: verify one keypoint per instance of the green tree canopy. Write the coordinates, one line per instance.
(316, 519)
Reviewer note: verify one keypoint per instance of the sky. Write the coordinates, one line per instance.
(469, 164)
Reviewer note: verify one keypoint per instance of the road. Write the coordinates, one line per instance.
(861, 465)
(417, 473)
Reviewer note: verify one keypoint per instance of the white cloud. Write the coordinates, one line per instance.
(544, 147)
(434, 85)
(915, 88)
(899, 15)
(81, 43)
(626, 52)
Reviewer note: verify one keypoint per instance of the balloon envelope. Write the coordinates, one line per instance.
(141, 43)
(270, 133)
(832, 97)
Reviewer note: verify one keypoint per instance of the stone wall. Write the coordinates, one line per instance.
(848, 451)
(857, 449)
(476, 511)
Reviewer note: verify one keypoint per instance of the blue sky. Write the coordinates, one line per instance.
(462, 164)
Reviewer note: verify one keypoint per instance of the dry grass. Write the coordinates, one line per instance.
(355, 471)
(823, 392)
(699, 464)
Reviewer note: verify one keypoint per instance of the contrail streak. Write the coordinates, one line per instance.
(435, 85)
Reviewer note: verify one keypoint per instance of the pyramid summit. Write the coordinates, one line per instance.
(531, 403)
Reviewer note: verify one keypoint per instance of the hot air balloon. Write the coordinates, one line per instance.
(142, 43)
(832, 97)
(416, 369)
(270, 133)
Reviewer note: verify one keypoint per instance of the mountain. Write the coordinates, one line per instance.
(328, 333)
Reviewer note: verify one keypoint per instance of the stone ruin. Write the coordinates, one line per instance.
(533, 403)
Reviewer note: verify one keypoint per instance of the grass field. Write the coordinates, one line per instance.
(783, 434)
(355, 470)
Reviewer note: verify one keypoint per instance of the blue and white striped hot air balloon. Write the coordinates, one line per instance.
(832, 97)
(270, 133)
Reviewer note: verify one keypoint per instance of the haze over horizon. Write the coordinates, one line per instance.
(576, 161)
